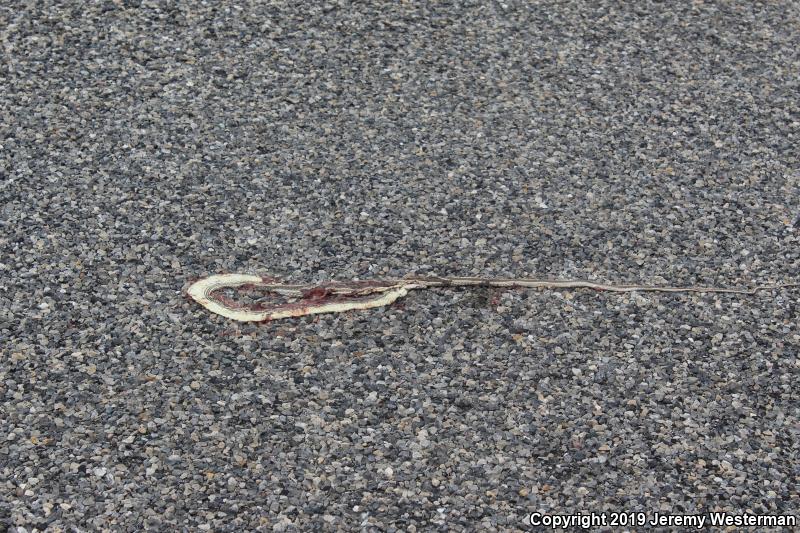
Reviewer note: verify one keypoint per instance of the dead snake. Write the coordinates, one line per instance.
(336, 297)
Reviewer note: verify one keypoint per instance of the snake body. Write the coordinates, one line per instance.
(336, 297)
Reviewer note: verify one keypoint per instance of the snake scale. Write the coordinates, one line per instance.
(336, 297)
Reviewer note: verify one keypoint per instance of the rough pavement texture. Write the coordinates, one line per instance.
(147, 143)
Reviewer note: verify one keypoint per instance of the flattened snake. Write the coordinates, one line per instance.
(335, 297)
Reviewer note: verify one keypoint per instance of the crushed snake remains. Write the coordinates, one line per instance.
(336, 297)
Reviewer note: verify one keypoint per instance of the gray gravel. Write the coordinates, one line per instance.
(143, 144)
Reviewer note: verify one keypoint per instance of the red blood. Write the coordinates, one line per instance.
(496, 296)
(317, 293)
(227, 301)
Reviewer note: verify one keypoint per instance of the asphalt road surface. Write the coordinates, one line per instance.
(144, 144)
